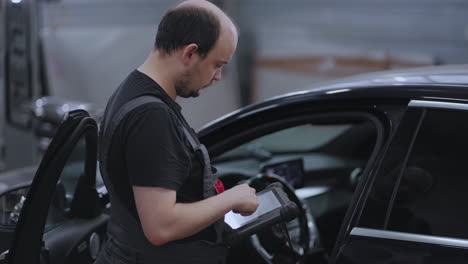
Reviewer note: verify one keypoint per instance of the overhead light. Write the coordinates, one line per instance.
(16, 1)
(65, 108)
(39, 103)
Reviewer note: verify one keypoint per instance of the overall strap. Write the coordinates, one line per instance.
(209, 179)
(110, 128)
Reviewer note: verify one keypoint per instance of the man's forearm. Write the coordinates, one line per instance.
(163, 220)
(194, 217)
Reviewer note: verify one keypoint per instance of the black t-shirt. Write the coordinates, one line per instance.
(150, 149)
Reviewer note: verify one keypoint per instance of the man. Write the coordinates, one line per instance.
(152, 163)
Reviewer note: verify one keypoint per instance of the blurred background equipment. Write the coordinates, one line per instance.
(48, 113)
(80, 50)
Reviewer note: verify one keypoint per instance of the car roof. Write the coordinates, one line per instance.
(432, 76)
(447, 82)
(423, 75)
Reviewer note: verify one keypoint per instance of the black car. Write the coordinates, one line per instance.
(377, 164)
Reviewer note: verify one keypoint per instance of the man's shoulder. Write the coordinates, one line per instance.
(154, 109)
(151, 118)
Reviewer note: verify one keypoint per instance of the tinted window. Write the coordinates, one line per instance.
(379, 197)
(59, 208)
(432, 196)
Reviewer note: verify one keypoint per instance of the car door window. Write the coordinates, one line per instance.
(322, 158)
(339, 147)
(380, 195)
(59, 209)
(432, 186)
(421, 188)
(416, 207)
(299, 142)
(297, 139)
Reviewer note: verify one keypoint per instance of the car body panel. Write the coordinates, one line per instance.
(421, 83)
(366, 250)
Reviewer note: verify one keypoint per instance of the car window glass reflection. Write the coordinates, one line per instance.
(432, 190)
(60, 205)
(383, 187)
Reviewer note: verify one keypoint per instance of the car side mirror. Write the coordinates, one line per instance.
(11, 204)
(12, 201)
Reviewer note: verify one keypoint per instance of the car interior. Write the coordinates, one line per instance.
(321, 160)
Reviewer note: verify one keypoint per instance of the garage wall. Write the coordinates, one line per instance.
(91, 46)
(416, 29)
(422, 26)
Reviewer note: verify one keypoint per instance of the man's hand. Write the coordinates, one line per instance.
(245, 200)
(164, 220)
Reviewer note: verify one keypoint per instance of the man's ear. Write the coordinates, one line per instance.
(188, 52)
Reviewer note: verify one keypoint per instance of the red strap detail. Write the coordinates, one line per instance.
(219, 186)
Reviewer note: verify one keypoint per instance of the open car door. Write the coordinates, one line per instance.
(62, 219)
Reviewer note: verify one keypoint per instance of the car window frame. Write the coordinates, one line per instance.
(435, 241)
(385, 115)
(27, 241)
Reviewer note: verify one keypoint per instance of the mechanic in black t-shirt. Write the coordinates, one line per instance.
(155, 179)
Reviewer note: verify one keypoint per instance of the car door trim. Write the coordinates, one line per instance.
(257, 111)
(435, 104)
(385, 234)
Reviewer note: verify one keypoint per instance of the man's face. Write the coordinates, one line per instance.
(203, 71)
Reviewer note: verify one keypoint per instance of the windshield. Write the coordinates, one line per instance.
(303, 138)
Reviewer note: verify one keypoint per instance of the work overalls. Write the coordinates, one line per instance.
(127, 242)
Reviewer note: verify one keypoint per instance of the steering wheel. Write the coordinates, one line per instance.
(270, 243)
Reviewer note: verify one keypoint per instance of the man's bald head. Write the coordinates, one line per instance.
(193, 22)
(225, 21)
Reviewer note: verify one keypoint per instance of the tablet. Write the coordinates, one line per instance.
(267, 203)
(274, 207)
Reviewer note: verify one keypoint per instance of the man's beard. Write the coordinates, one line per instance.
(182, 86)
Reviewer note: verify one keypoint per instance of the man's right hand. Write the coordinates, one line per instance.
(164, 220)
(245, 200)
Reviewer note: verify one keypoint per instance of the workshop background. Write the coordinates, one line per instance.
(80, 50)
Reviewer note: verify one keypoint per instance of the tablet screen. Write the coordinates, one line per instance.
(267, 202)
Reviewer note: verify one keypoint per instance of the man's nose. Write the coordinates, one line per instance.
(217, 75)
